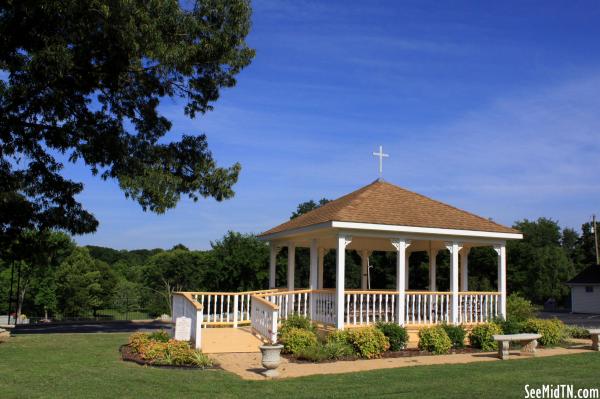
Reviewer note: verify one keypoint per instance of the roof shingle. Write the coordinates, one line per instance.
(589, 275)
(384, 203)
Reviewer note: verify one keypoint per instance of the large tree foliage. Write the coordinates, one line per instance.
(83, 79)
(538, 266)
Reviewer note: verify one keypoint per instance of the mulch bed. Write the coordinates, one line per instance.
(416, 352)
(410, 352)
(128, 355)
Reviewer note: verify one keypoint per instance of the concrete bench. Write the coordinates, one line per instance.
(595, 333)
(528, 343)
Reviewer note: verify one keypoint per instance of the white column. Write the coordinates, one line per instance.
(273, 264)
(322, 252)
(464, 269)
(291, 266)
(400, 244)
(407, 272)
(501, 250)
(454, 248)
(340, 275)
(364, 256)
(432, 269)
(314, 260)
(313, 279)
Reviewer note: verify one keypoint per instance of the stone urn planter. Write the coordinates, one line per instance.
(271, 358)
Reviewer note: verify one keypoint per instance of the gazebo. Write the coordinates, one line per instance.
(377, 217)
(385, 217)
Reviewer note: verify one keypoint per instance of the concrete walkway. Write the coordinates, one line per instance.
(248, 365)
(229, 340)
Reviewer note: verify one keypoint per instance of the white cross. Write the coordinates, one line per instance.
(381, 155)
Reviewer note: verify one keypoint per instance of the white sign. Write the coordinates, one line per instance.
(183, 329)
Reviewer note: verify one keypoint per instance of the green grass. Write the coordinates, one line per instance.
(88, 366)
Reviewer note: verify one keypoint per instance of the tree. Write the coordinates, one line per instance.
(308, 206)
(83, 284)
(172, 271)
(539, 266)
(32, 254)
(239, 262)
(85, 78)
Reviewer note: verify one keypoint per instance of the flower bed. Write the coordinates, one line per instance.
(159, 350)
(302, 343)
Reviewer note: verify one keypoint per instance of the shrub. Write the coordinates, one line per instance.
(368, 342)
(313, 353)
(482, 336)
(160, 336)
(577, 332)
(338, 336)
(552, 330)
(328, 351)
(511, 325)
(155, 350)
(296, 321)
(518, 308)
(338, 350)
(456, 334)
(396, 335)
(435, 340)
(294, 339)
(138, 340)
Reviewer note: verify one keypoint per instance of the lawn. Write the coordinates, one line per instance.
(88, 366)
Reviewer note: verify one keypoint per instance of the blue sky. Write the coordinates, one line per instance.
(493, 108)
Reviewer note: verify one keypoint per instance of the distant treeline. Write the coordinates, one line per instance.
(56, 277)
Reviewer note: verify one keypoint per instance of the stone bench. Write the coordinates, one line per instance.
(595, 333)
(528, 343)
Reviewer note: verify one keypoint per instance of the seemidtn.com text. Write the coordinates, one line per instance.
(560, 391)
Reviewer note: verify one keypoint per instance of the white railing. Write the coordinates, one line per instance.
(225, 308)
(427, 307)
(289, 302)
(322, 304)
(264, 318)
(369, 307)
(184, 305)
(477, 307)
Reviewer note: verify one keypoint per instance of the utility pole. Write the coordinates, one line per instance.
(595, 238)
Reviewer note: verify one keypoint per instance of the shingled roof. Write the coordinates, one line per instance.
(589, 275)
(384, 203)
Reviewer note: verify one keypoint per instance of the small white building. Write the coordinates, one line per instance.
(585, 291)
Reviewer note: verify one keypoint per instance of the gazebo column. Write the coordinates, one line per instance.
(340, 275)
(313, 279)
(407, 272)
(364, 257)
(274, 249)
(291, 266)
(432, 269)
(501, 250)
(454, 249)
(464, 269)
(400, 244)
(321, 261)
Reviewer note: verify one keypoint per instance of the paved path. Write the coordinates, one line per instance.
(90, 327)
(577, 319)
(248, 365)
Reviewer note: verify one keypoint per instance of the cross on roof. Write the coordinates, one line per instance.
(381, 155)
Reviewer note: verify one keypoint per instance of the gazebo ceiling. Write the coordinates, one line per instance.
(382, 203)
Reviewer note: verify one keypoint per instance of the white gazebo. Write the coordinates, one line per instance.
(385, 217)
(377, 217)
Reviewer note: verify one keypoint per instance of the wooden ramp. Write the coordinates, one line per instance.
(229, 340)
